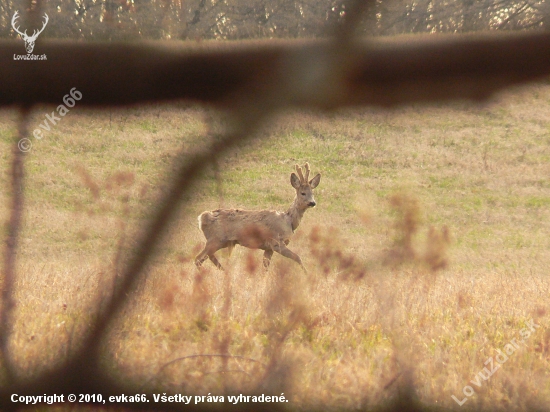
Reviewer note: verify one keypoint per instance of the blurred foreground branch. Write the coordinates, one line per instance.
(315, 74)
(13, 227)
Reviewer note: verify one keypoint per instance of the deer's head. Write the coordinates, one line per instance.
(29, 40)
(304, 188)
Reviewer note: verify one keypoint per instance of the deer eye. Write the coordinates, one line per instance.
(303, 194)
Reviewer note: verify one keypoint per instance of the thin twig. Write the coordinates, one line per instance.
(206, 355)
(14, 224)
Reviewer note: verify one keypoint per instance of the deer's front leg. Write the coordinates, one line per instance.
(267, 257)
(286, 252)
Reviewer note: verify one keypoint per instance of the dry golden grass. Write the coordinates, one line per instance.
(427, 253)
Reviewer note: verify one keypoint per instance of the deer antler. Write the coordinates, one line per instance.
(37, 32)
(300, 175)
(14, 18)
(307, 172)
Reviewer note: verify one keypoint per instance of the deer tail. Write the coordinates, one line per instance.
(205, 219)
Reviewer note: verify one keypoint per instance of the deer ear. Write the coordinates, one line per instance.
(294, 181)
(315, 181)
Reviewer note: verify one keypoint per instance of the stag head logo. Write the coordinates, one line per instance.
(29, 40)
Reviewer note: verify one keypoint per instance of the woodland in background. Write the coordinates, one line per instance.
(244, 19)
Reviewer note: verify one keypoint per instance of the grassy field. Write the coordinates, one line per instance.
(426, 255)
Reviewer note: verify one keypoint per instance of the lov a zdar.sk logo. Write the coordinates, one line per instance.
(29, 40)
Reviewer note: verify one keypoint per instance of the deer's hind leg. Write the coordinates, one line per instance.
(210, 248)
(215, 261)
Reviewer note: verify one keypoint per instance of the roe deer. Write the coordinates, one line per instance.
(268, 230)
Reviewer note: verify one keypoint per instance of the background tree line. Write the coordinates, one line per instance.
(242, 19)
